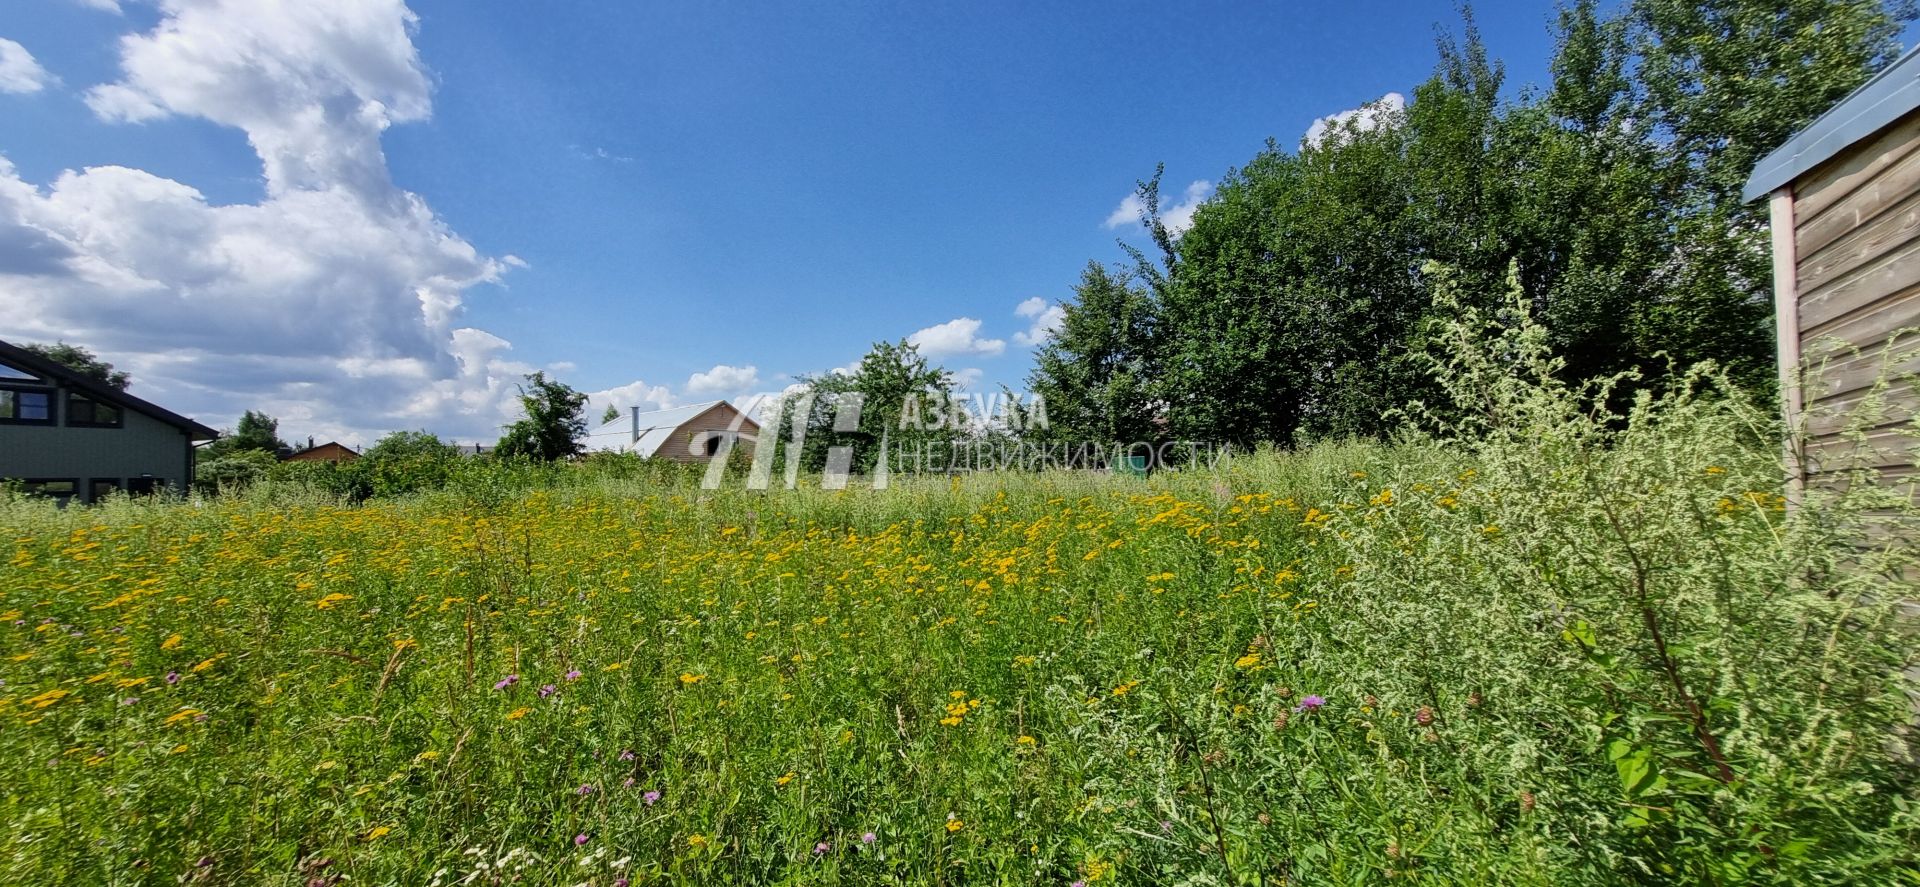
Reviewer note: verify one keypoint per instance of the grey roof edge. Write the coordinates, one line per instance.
(29, 360)
(1880, 101)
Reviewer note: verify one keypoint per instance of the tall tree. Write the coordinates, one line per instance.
(82, 361)
(551, 423)
(1096, 372)
(1725, 82)
(902, 401)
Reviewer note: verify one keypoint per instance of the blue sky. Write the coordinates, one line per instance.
(647, 199)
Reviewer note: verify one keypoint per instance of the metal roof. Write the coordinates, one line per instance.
(655, 429)
(1886, 98)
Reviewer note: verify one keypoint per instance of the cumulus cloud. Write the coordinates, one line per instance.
(19, 72)
(1178, 218)
(1045, 316)
(633, 394)
(958, 336)
(1364, 118)
(966, 379)
(104, 5)
(334, 302)
(723, 379)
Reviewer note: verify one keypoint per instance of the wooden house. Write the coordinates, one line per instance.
(331, 451)
(692, 433)
(1845, 208)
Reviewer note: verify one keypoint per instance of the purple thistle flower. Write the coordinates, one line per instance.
(626, 755)
(586, 790)
(548, 690)
(620, 882)
(650, 798)
(507, 681)
(573, 675)
(579, 839)
(821, 847)
(130, 700)
(173, 677)
(1309, 703)
(869, 838)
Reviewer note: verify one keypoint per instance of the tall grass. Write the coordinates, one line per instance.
(1543, 643)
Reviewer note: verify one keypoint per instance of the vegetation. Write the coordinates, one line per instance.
(552, 423)
(892, 394)
(1295, 307)
(1534, 640)
(83, 361)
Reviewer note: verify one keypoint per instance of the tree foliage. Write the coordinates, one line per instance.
(82, 361)
(1296, 306)
(902, 404)
(551, 424)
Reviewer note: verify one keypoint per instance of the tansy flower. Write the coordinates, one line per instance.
(689, 678)
(518, 713)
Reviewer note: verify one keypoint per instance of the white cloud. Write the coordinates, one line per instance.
(1178, 218)
(723, 379)
(960, 335)
(103, 5)
(333, 303)
(1046, 317)
(633, 394)
(19, 73)
(1364, 118)
(1127, 213)
(966, 379)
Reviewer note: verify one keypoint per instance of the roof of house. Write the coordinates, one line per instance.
(1886, 98)
(27, 360)
(313, 451)
(655, 428)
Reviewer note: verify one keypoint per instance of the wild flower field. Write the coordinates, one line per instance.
(1574, 647)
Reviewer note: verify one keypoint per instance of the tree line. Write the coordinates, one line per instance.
(1296, 306)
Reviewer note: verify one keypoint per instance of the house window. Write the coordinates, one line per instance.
(26, 406)
(57, 489)
(85, 411)
(101, 487)
(145, 486)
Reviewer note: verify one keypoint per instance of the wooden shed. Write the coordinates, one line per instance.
(1845, 201)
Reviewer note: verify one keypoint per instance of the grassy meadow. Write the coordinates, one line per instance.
(1573, 648)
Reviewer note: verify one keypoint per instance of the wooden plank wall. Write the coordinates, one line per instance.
(1856, 221)
(685, 445)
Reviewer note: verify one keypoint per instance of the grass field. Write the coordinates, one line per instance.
(1580, 649)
